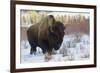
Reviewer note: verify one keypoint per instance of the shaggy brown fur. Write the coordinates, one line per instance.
(47, 34)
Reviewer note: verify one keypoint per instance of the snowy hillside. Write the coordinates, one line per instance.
(74, 47)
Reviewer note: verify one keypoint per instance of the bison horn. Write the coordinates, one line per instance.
(51, 30)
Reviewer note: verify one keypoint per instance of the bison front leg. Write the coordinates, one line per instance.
(48, 55)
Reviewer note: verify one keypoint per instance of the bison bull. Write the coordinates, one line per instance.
(46, 34)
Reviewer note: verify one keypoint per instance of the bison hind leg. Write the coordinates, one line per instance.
(33, 51)
(33, 48)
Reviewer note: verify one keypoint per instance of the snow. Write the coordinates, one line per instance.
(70, 50)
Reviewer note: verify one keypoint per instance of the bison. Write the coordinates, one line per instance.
(46, 34)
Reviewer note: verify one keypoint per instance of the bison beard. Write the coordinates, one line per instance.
(46, 34)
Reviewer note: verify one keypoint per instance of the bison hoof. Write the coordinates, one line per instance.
(48, 57)
(54, 52)
(31, 53)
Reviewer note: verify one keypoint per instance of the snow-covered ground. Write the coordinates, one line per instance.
(74, 47)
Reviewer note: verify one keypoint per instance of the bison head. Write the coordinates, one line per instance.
(56, 34)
